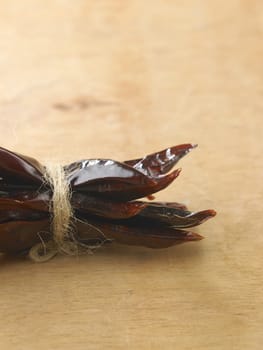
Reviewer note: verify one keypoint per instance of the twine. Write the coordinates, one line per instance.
(62, 217)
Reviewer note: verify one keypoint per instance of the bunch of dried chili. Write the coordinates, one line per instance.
(104, 200)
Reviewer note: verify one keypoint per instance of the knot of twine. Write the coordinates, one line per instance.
(62, 217)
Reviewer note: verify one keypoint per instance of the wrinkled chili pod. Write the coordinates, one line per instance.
(104, 200)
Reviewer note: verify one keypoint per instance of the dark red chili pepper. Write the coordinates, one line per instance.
(103, 200)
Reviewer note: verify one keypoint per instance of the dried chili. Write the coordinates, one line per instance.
(104, 199)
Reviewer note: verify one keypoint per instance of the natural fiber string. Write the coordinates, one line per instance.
(60, 207)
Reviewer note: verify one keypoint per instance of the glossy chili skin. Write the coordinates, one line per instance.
(105, 201)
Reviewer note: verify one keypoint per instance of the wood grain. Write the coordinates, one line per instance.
(119, 79)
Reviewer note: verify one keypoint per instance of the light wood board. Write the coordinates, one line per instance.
(119, 79)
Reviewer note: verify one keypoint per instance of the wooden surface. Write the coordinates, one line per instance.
(118, 79)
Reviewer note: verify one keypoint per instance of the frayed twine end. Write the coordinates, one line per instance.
(62, 220)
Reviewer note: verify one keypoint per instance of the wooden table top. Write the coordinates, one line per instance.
(119, 79)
